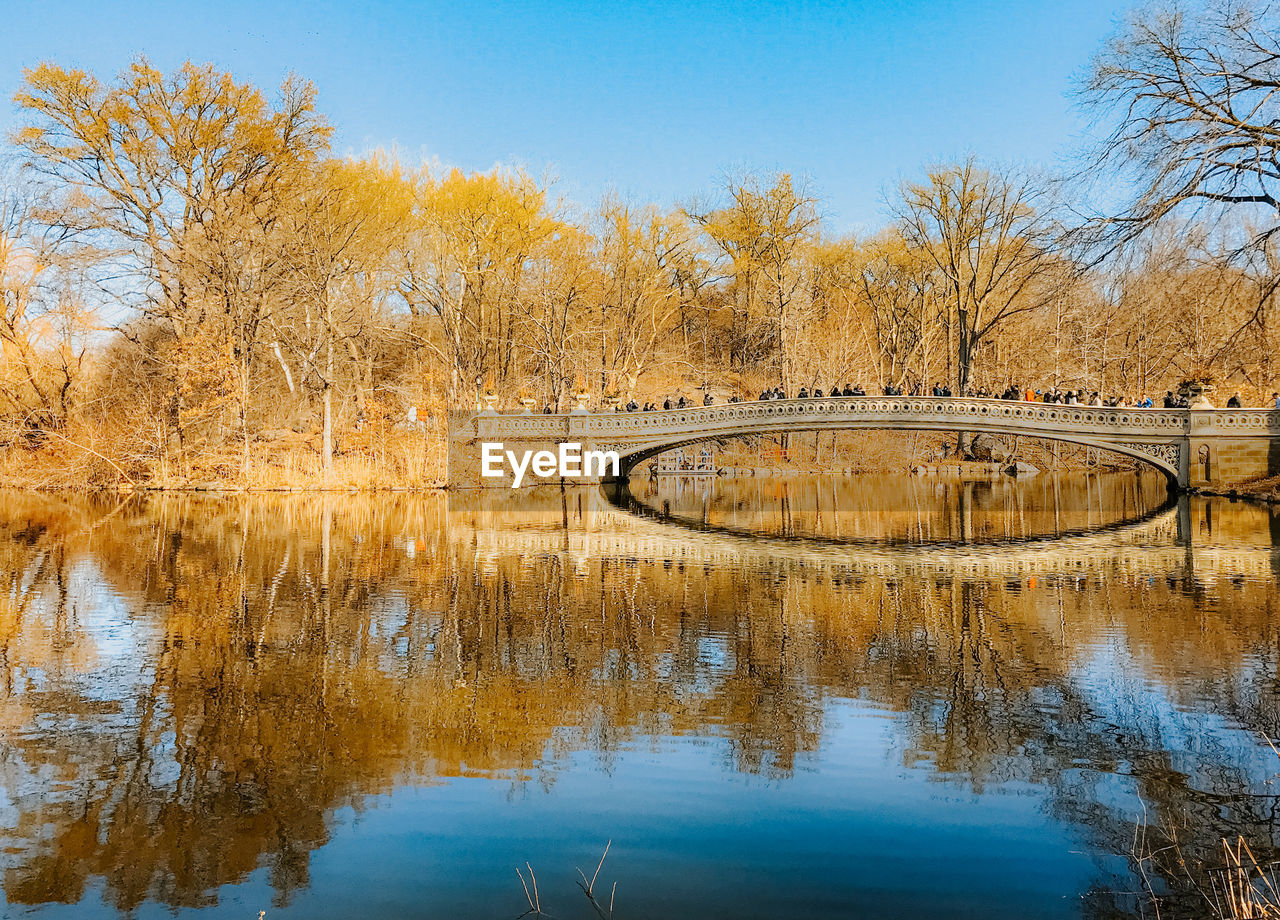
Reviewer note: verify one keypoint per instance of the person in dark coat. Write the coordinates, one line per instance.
(666, 403)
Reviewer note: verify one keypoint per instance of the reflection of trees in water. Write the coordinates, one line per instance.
(1117, 755)
(270, 661)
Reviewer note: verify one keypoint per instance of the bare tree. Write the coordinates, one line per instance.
(764, 232)
(992, 245)
(1191, 95)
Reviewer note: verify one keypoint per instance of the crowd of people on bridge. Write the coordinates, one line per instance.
(1013, 392)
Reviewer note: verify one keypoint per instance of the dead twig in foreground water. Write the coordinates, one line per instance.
(535, 903)
(588, 886)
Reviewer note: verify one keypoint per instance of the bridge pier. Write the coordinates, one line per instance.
(468, 435)
(1226, 447)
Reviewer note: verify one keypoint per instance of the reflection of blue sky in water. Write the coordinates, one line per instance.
(827, 840)
(764, 728)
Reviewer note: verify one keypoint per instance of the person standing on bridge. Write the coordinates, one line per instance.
(1234, 401)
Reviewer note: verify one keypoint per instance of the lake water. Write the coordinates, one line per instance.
(825, 697)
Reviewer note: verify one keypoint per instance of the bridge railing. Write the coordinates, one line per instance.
(1103, 419)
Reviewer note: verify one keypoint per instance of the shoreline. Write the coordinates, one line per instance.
(223, 489)
(1268, 498)
(1265, 493)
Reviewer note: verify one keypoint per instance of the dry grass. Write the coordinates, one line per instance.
(1241, 888)
(400, 460)
(1244, 889)
(1267, 490)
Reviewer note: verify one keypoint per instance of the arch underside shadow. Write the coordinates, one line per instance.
(632, 456)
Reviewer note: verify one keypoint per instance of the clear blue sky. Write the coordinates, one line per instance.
(654, 100)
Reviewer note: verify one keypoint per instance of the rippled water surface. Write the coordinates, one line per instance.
(827, 698)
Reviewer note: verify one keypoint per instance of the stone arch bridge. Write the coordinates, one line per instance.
(1193, 447)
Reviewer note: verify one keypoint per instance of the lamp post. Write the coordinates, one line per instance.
(479, 382)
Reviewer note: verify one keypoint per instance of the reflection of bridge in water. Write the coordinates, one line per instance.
(582, 525)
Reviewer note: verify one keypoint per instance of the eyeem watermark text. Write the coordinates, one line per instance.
(568, 460)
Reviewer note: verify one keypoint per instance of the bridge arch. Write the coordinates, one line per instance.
(635, 457)
(1151, 436)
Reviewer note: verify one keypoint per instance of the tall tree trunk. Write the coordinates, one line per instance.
(326, 449)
